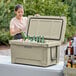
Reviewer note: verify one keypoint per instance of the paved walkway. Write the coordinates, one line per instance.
(7, 52)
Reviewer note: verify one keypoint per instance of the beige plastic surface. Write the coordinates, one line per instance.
(50, 27)
(46, 44)
(40, 54)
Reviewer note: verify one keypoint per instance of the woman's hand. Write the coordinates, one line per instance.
(14, 32)
(37, 15)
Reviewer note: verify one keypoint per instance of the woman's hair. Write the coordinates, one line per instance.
(18, 6)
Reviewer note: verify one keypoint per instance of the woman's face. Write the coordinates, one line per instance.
(19, 13)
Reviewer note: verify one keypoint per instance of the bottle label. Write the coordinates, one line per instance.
(68, 51)
(69, 65)
(74, 45)
(74, 50)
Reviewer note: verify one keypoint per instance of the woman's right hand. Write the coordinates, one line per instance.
(14, 32)
(37, 15)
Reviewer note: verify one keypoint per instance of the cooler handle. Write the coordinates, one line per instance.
(27, 46)
(53, 58)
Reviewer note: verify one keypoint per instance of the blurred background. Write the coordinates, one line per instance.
(43, 7)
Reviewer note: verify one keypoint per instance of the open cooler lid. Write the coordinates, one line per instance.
(51, 27)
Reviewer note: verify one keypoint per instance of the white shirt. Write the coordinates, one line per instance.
(18, 24)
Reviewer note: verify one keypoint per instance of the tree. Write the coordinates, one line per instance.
(45, 7)
(72, 11)
(31, 7)
(6, 12)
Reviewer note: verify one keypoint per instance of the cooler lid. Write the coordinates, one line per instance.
(51, 27)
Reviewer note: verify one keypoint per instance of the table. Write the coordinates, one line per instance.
(9, 69)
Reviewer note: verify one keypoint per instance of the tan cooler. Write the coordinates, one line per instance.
(41, 54)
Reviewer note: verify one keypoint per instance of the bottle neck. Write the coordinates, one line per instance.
(70, 44)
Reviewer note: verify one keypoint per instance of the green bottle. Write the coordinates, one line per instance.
(24, 35)
(34, 38)
(42, 39)
(39, 38)
(30, 38)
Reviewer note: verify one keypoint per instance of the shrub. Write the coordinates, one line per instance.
(70, 31)
(4, 37)
(31, 7)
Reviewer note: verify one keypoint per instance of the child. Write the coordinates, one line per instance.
(18, 23)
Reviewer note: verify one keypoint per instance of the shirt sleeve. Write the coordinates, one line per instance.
(11, 24)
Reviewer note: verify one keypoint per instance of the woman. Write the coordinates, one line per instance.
(18, 23)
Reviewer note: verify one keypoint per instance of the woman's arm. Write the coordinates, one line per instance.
(14, 30)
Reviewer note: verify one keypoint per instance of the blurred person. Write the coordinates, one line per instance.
(18, 23)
